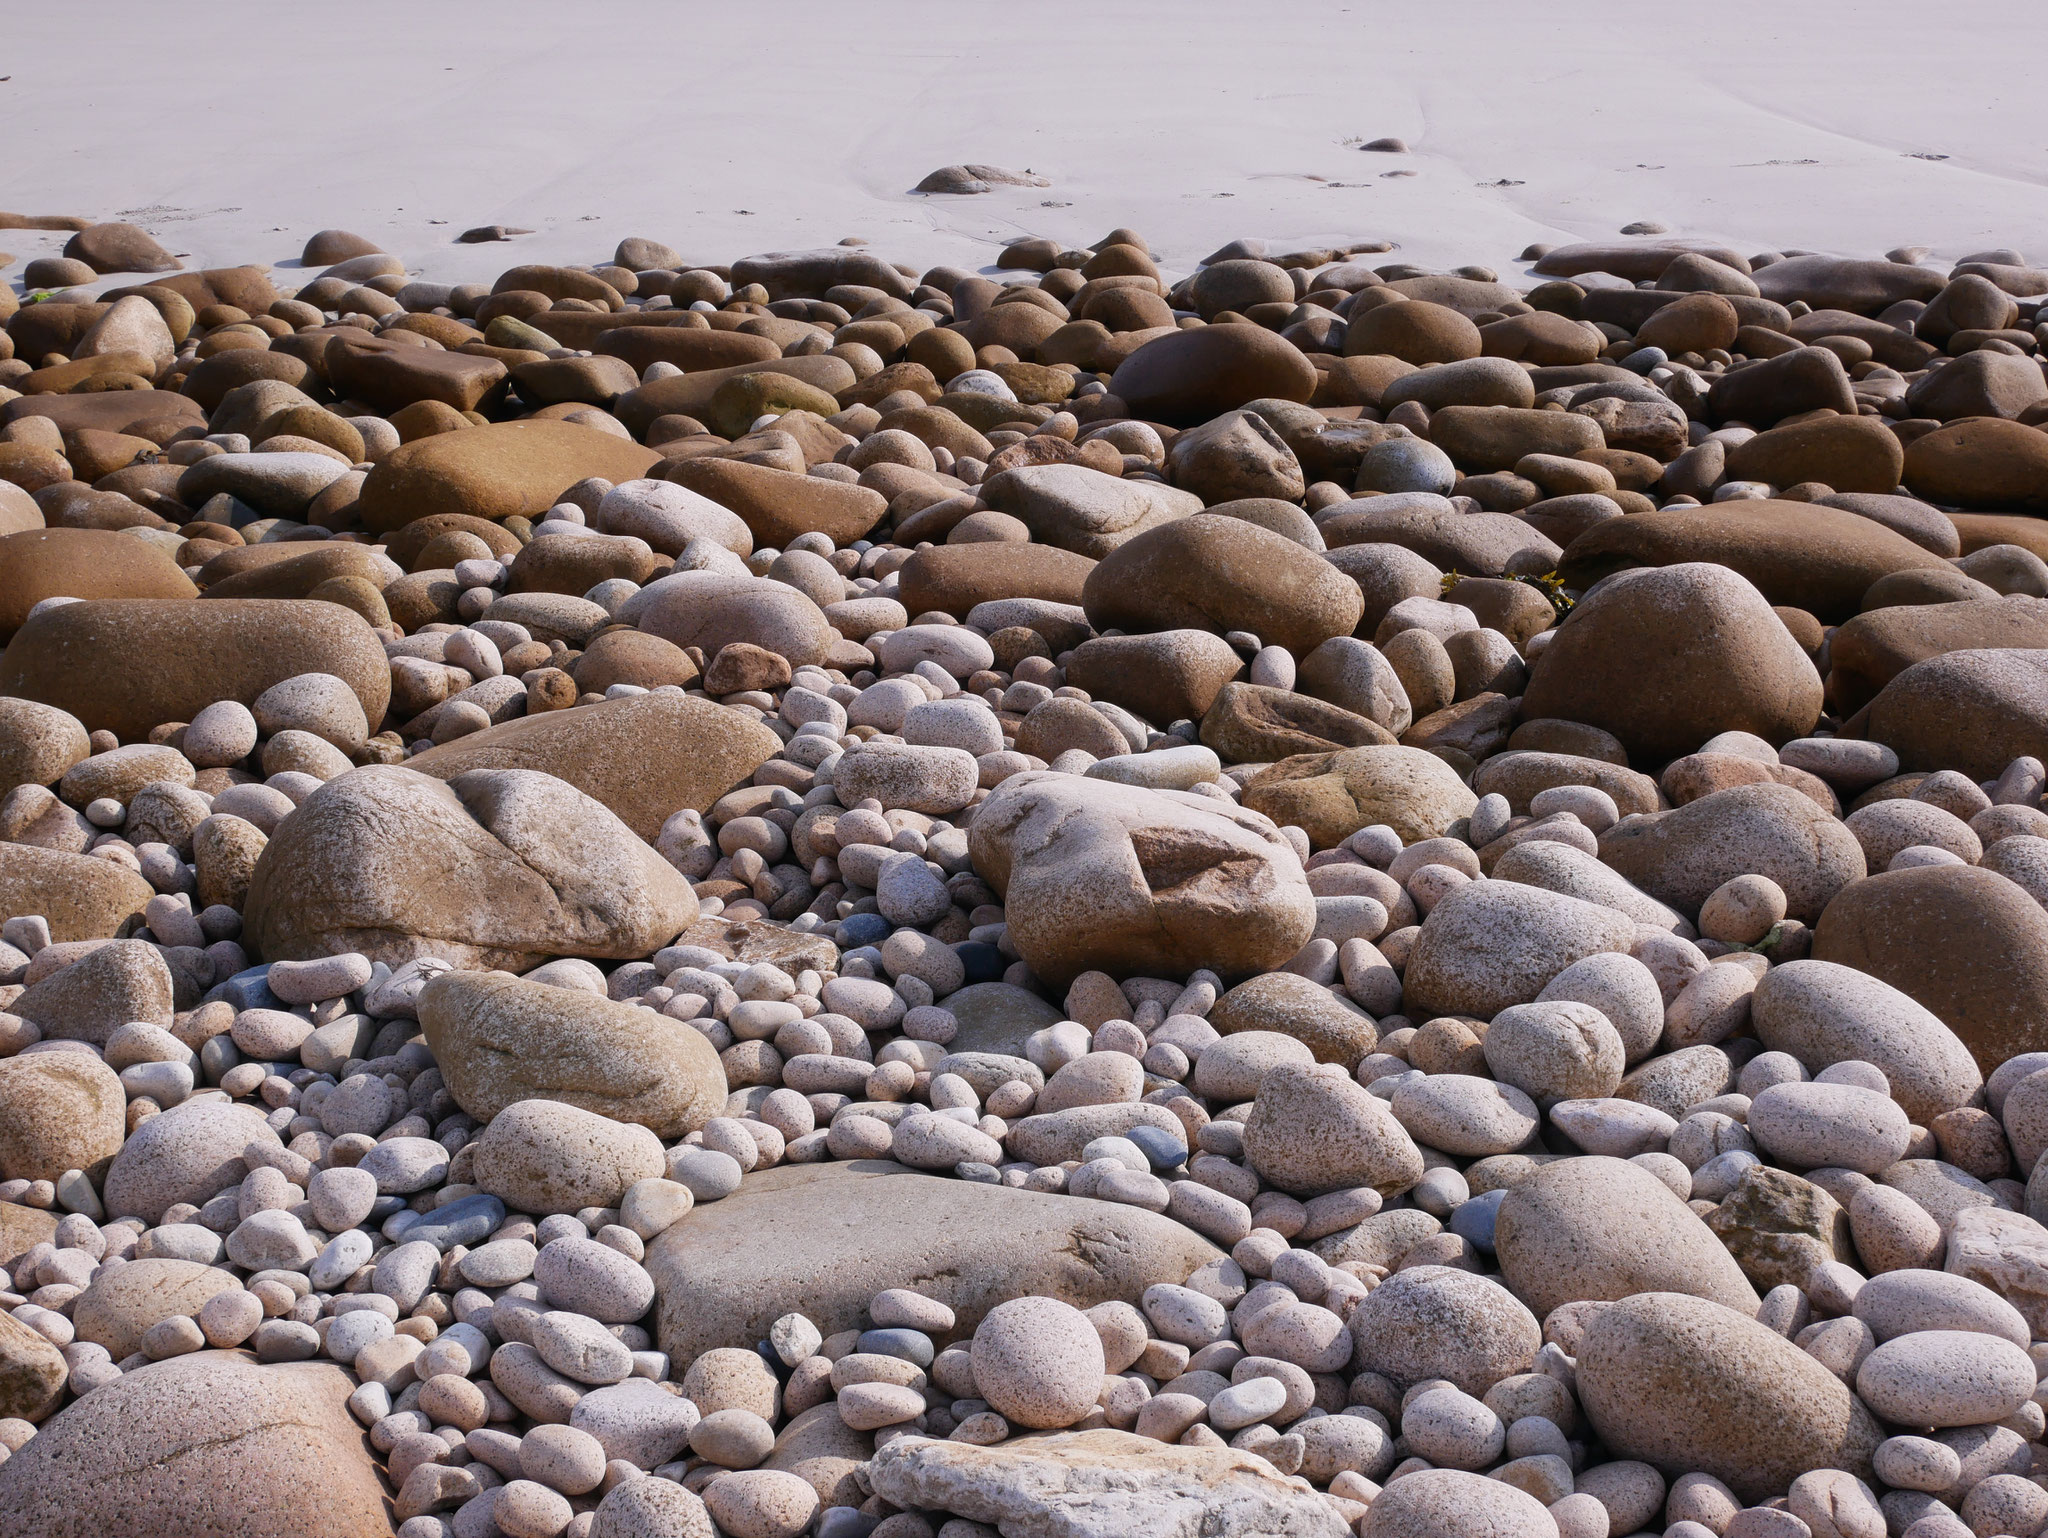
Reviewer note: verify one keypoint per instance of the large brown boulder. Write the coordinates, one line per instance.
(496, 472)
(1099, 876)
(210, 1445)
(1332, 795)
(131, 664)
(825, 1238)
(500, 1040)
(158, 415)
(81, 563)
(778, 505)
(1187, 377)
(1171, 675)
(390, 377)
(1861, 285)
(1666, 657)
(1965, 943)
(1981, 462)
(1222, 574)
(1869, 651)
(1849, 453)
(82, 897)
(1680, 856)
(499, 868)
(1970, 710)
(951, 579)
(645, 757)
(1800, 554)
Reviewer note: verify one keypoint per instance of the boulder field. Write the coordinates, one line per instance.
(808, 897)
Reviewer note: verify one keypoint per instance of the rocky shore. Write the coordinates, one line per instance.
(807, 897)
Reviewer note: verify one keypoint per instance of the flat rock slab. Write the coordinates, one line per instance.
(1102, 1484)
(823, 1239)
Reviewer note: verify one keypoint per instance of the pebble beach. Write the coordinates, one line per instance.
(1025, 880)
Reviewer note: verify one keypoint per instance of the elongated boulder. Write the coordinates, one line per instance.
(1092, 1484)
(494, 472)
(1099, 876)
(81, 563)
(1690, 1386)
(1597, 1229)
(1800, 554)
(500, 1040)
(645, 757)
(496, 868)
(130, 664)
(825, 1238)
(1823, 1012)
(1872, 649)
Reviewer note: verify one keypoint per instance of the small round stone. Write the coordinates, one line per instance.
(1038, 1362)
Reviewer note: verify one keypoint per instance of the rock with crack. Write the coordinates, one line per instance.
(1102, 1484)
(823, 1239)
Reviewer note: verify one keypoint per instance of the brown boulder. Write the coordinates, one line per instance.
(388, 376)
(81, 563)
(510, 468)
(1170, 675)
(1222, 574)
(1254, 724)
(119, 247)
(1414, 331)
(1978, 384)
(128, 665)
(1845, 283)
(1481, 439)
(1762, 393)
(1667, 657)
(83, 898)
(1869, 651)
(1849, 453)
(1332, 795)
(645, 757)
(1983, 462)
(1970, 710)
(1187, 377)
(1800, 554)
(1966, 944)
(778, 505)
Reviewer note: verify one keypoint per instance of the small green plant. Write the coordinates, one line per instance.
(1549, 584)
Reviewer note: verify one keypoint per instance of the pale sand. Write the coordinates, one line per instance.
(234, 130)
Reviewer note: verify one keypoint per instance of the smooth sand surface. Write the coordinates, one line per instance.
(233, 130)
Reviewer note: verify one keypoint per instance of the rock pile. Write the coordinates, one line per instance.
(804, 897)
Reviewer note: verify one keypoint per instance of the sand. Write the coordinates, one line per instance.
(233, 131)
